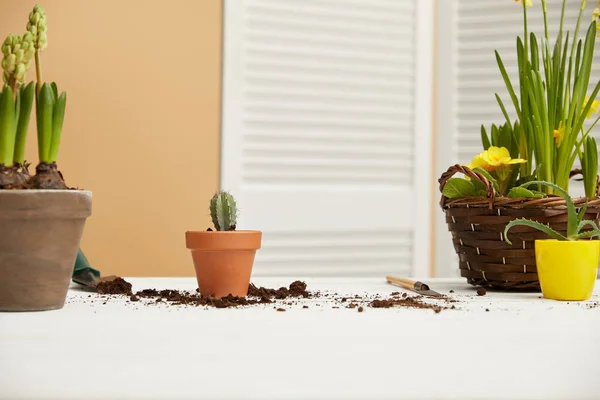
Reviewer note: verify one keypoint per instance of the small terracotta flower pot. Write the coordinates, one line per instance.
(40, 232)
(223, 260)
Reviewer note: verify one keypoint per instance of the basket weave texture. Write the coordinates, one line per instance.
(477, 225)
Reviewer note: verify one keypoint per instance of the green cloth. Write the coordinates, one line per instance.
(82, 263)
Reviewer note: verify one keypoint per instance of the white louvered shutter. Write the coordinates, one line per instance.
(320, 143)
(468, 77)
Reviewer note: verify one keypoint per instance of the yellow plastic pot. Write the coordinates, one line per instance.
(567, 270)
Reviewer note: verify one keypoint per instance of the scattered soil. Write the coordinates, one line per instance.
(408, 302)
(116, 286)
(481, 292)
(296, 291)
(47, 176)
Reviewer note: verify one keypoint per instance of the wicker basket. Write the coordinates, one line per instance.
(477, 226)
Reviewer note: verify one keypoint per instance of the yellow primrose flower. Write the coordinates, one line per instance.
(593, 109)
(559, 134)
(523, 2)
(595, 14)
(495, 157)
(477, 162)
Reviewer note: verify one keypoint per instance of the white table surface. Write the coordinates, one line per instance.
(524, 347)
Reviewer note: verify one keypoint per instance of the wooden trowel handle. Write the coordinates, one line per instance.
(405, 283)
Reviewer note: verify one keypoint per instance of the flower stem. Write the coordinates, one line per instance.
(38, 70)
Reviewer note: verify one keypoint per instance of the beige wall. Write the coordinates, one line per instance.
(142, 127)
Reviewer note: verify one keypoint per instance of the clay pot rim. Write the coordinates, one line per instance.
(32, 191)
(223, 240)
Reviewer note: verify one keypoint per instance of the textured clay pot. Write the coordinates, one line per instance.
(223, 260)
(40, 231)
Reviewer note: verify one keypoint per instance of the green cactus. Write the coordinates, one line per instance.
(223, 211)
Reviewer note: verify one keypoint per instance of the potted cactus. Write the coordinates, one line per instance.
(223, 258)
(566, 265)
(41, 222)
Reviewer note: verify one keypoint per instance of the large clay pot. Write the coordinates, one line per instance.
(223, 260)
(40, 231)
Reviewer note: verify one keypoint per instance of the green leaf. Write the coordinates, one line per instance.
(489, 178)
(479, 188)
(458, 187)
(508, 84)
(44, 111)
(7, 127)
(27, 94)
(581, 214)
(589, 166)
(587, 234)
(522, 193)
(571, 211)
(585, 223)
(532, 224)
(54, 90)
(485, 140)
(58, 117)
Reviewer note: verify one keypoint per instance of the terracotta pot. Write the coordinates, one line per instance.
(40, 231)
(223, 260)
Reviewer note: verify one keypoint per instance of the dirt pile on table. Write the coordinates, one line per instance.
(116, 286)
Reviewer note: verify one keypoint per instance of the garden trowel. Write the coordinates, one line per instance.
(85, 275)
(415, 286)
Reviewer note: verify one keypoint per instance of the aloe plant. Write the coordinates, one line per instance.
(223, 211)
(575, 221)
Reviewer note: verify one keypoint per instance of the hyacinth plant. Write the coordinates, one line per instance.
(16, 100)
(223, 211)
(16, 103)
(551, 104)
(50, 109)
(575, 221)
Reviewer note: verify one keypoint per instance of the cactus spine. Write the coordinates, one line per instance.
(223, 211)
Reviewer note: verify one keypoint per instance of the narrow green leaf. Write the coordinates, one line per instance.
(485, 140)
(532, 224)
(58, 117)
(589, 166)
(7, 127)
(581, 214)
(571, 211)
(508, 84)
(587, 234)
(44, 111)
(458, 187)
(585, 223)
(54, 90)
(27, 94)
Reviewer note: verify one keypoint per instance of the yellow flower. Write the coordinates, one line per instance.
(495, 157)
(559, 134)
(523, 2)
(593, 109)
(477, 162)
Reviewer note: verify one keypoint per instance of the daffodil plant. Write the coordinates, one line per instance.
(551, 103)
(575, 221)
